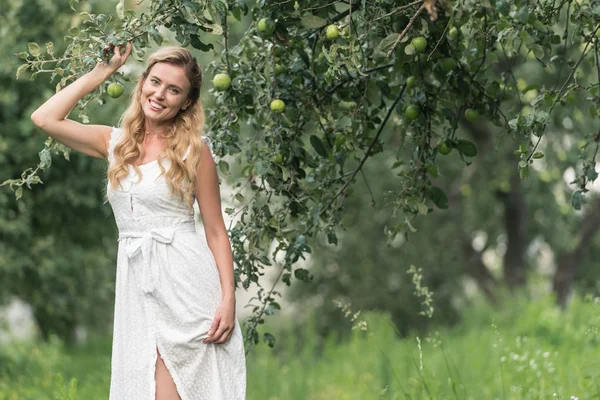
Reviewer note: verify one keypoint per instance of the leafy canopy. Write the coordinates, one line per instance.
(343, 94)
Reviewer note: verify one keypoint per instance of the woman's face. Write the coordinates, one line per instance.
(164, 93)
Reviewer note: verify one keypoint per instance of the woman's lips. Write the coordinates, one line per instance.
(154, 108)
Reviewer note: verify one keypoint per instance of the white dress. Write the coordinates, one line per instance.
(167, 292)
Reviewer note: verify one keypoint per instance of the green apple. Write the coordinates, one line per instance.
(471, 115)
(115, 90)
(221, 82)
(332, 32)
(453, 32)
(266, 27)
(419, 43)
(277, 105)
(444, 148)
(279, 69)
(412, 112)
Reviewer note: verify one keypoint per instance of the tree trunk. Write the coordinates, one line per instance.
(515, 211)
(568, 262)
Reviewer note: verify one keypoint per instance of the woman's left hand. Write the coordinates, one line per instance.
(223, 322)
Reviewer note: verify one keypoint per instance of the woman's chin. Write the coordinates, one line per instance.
(159, 120)
(150, 114)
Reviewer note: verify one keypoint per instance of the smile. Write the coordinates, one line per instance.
(155, 106)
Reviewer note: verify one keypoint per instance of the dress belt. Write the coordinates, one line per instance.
(143, 241)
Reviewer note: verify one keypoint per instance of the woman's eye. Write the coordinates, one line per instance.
(175, 91)
(154, 81)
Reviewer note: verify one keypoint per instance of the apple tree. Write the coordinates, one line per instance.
(319, 87)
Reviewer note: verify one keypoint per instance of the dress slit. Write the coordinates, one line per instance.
(170, 370)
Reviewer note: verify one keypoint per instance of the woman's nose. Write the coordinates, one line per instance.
(160, 93)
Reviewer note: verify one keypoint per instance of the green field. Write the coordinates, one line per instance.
(530, 350)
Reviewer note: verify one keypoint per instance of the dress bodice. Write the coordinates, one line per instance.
(148, 204)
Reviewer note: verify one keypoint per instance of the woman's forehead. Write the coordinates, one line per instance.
(170, 74)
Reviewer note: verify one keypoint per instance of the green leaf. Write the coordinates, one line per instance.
(466, 147)
(22, 69)
(332, 238)
(312, 22)
(527, 39)
(224, 167)
(155, 35)
(207, 15)
(34, 49)
(269, 339)
(523, 169)
(191, 5)
(50, 49)
(215, 29)
(236, 13)
(120, 9)
(22, 55)
(577, 200)
(422, 208)
(197, 43)
(303, 275)
(550, 98)
(45, 158)
(387, 42)
(432, 169)
(438, 197)
(318, 145)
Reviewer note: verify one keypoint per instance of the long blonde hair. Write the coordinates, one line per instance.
(186, 129)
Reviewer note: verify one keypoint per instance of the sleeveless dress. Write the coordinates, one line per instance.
(167, 292)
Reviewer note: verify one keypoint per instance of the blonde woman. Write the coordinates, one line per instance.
(175, 333)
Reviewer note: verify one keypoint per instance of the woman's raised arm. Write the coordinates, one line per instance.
(51, 116)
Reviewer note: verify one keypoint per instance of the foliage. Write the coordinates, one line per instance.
(29, 372)
(342, 97)
(57, 245)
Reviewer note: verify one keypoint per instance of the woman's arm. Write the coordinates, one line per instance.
(51, 116)
(209, 202)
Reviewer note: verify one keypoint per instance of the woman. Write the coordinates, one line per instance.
(175, 332)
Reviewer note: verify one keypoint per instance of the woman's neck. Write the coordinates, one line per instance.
(155, 129)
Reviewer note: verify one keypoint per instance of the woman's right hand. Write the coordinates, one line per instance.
(51, 116)
(116, 62)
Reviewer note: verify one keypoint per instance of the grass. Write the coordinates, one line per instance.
(529, 350)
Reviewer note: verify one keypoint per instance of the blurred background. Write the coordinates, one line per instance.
(500, 302)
